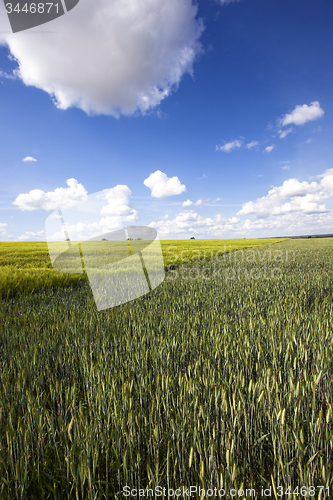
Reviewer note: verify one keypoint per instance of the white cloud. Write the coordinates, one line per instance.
(31, 236)
(3, 74)
(200, 203)
(118, 201)
(291, 209)
(190, 222)
(252, 144)
(29, 158)
(60, 197)
(84, 230)
(234, 220)
(269, 148)
(302, 114)
(285, 167)
(226, 2)
(111, 57)
(293, 196)
(3, 226)
(3, 231)
(308, 141)
(113, 204)
(284, 133)
(229, 146)
(290, 224)
(85, 221)
(162, 186)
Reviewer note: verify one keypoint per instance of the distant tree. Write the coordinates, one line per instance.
(104, 239)
(192, 238)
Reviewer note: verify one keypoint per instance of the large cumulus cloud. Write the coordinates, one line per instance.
(111, 57)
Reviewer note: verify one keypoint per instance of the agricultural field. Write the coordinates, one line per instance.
(26, 266)
(221, 377)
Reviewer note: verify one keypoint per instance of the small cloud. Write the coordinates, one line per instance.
(13, 76)
(165, 217)
(284, 133)
(198, 203)
(229, 146)
(285, 165)
(30, 235)
(258, 175)
(252, 144)
(187, 203)
(302, 114)
(308, 141)
(162, 186)
(217, 199)
(270, 148)
(226, 2)
(160, 114)
(29, 158)
(3, 226)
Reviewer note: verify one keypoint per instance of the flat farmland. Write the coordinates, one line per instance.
(26, 266)
(220, 377)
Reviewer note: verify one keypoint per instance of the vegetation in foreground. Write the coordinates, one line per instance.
(25, 267)
(209, 380)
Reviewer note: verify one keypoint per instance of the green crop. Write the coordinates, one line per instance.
(215, 378)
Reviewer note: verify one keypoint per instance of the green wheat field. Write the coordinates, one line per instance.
(221, 377)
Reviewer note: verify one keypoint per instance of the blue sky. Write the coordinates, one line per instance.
(212, 120)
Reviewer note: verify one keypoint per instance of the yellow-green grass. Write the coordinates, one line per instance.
(26, 266)
(181, 251)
